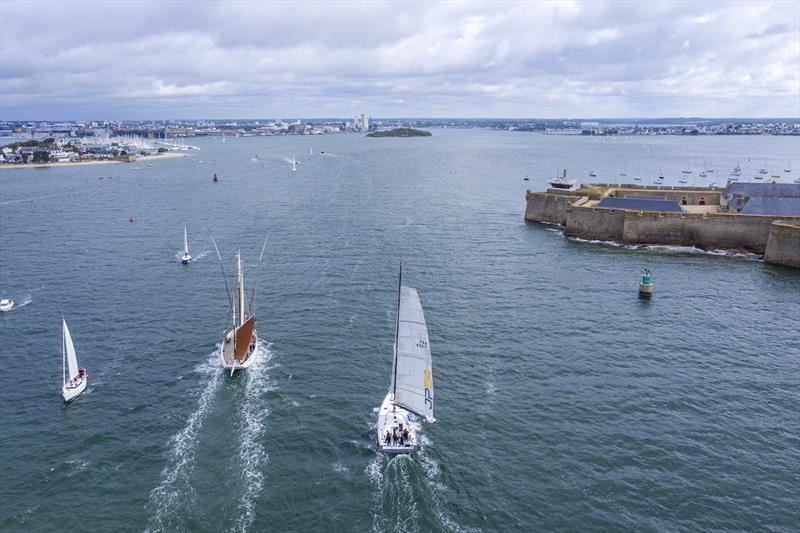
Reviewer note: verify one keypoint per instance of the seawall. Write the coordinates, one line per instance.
(707, 231)
(545, 207)
(775, 236)
(783, 245)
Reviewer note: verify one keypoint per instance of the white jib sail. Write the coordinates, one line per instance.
(185, 242)
(413, 372)
(69, 352)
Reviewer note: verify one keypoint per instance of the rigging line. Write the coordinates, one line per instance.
(258, 271)
(221, 267)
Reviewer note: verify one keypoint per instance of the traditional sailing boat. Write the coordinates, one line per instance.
(411, 392)
(186, 258)
(74, 378)
(240, 342)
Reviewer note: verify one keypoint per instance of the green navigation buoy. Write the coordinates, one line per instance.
(646, 286)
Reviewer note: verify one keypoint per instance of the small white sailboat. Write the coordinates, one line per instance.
(310, 151)
(410, 397)
(186, 258)
(294, 164)
(240, 342)
(6, 305)
(74, 379)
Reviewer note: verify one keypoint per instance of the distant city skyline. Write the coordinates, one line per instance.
(240, 60)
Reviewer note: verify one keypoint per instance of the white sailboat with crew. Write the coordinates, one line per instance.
(185, 258)
(410, 398)
(74, 379)
(240, 341)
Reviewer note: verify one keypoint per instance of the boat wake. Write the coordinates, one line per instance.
(394, 504)
(406, 488)
(253, 415)
(25, 301)
(195, 258)
(175, 490)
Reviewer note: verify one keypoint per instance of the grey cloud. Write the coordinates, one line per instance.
(227, 59)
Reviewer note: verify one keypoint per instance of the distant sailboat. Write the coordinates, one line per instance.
(74, 378)
(240, 342)
(411, 392)
(294, 164)
(186, 258)
(310, 151)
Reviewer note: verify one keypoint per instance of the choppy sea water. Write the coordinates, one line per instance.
(563, 401)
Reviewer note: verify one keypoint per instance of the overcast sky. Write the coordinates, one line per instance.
(207, 59)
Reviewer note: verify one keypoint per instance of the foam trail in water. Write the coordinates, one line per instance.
(401, 483)
(252, 455)
(195, 258)
(25, 301)
(395, 507)
(175, 489)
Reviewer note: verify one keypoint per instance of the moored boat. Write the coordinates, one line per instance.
(562, 183)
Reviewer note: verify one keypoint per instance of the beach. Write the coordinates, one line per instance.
(166, 155)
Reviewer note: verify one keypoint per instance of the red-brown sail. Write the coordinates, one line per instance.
(243, 337)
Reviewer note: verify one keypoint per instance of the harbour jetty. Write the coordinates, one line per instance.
(761, 218)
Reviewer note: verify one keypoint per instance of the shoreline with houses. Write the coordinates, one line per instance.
(131, 159)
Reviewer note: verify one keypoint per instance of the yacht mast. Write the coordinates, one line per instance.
(240, 282)
(396, 333)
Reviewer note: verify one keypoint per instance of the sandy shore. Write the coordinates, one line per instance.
(165, 155)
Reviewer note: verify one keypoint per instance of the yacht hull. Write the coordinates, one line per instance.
(391, 417)
(70, 393)
(226, 354)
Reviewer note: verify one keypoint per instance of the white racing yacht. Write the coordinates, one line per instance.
(410, 398)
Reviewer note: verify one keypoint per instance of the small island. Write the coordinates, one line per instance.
(400, 132)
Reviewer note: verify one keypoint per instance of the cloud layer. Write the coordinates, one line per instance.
(210, 59)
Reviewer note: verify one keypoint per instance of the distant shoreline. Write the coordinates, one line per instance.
(166, 155)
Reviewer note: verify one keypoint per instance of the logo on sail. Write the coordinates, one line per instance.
(427, 380)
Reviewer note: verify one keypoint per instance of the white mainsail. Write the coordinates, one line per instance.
(69, 352)
(413, 373)
(185, 241)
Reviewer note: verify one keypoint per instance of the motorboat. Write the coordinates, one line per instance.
(6, 305)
